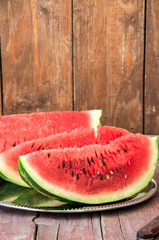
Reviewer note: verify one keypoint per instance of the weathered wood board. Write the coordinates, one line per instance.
(16, 224)
(152, 68)
(36, 41)
(1, 90)
(69, 226)
(108, 43)
(76, 55)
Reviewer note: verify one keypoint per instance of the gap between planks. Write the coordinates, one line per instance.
(73, 98)
(58, 229)
(36, 226)
(144, 64)
(120, 223)
(101, 226)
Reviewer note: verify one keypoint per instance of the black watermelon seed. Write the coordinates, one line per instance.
(42, 148)
(63, 165)
(102, 155)
(70, 165)
(101, 177)
(39, 148)
(48, 147)
(96, 155)
(89, 162)
(84, 170)
(103, 163)
(124, 150)
(48, 155)
(14, 144)
(92, 160)
(77, 177)
(72, 173)
(32, 145)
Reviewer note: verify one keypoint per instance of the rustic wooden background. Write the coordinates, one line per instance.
(76, 55)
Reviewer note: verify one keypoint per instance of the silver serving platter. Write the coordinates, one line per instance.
(14, 196)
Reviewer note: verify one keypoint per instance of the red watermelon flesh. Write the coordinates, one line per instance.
(93, 174)
(78, 138)
(18, 128)
(106, 134)
(9, 158)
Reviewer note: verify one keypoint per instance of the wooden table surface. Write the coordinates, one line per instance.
(121, 224)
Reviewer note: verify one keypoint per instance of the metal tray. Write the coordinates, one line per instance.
(14, 196)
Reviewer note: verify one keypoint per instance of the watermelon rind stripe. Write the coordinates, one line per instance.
(24, 175)
(152, 167)
(47, 188)
(27, 178)
(30, 181)
(4, 177)
(5, 172)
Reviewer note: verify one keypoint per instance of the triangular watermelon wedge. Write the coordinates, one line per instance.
(78, 137)
(93, 174)
(9, 159)
(18, 128)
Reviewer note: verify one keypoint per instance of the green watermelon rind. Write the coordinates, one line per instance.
(44, 187)
(13, 178)
(26, 178)
(4, 177)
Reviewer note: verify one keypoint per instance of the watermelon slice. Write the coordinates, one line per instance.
(79, 138)
(9, 159)
(106, 134)
(19, 128)
(93, 174)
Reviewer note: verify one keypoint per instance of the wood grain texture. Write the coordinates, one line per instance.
(110, 226)
(36, 39)
(69, 226)
(1, 95)
(152, 69)
(15, 224)
(132, 220)
(108, 40)
(48, 226)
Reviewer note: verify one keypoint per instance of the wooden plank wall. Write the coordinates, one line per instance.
(36, 55)
(75, 55)
(152, 68)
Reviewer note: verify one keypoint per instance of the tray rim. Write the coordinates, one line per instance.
(89, 208)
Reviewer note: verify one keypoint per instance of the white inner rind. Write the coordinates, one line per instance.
(95, 116)
(8, 172)
(137, 186)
